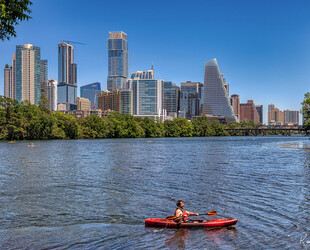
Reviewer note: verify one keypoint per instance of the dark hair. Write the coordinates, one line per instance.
(179, 202)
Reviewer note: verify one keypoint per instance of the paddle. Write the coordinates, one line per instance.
(170, 218)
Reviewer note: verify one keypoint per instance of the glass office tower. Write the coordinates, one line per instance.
(44, 77)
(216, 101)
(28, 70)
(90, 91)
(171, 99)
(117, 60)
(147, 97)
(191, 98)
(67, 77)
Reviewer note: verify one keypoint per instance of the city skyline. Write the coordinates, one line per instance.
(260, 51)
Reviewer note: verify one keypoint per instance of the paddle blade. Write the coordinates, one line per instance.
(212, 213)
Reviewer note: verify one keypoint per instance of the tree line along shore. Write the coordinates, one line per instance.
(24, 121)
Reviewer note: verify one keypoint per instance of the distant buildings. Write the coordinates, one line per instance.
(191, 98)
(90, 91)
(216, 101)
(67, 77)
(52, 94)
(286, 117)
(117, 60)
(28, 69)
(248, 112)
(83, 104)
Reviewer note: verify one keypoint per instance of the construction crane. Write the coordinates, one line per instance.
(64, 41)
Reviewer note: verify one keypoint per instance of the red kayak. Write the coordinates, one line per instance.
(158, 222)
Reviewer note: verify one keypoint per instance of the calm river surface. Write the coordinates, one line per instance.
(87, 194)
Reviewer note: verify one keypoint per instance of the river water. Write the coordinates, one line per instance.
(87, 194)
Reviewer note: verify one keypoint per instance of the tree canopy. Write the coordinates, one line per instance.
(12, 12)
(25, 121)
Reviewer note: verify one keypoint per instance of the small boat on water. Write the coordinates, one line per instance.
(161, 222)
(12, 141)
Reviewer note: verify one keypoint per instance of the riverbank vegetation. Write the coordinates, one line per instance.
(30, 122)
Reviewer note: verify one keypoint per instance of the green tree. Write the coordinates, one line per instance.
(185, 126)
(218, 128)
(305, 106)
(201, 126)
(44, 103)
(12, 12)
(171, 129)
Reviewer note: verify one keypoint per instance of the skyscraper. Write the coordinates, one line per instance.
(216, 101)
(90, 91)
(67, 76)
(235, 103)
(259, 109)
(147, 97)
(28, 70)
(275, 116)
(8, 81)
(117, 60)
(291, 117)
(171, 99)
(191, 98)
(52, 94)
(44, 77)
(248, 112)
(110, 100)
(126, 101)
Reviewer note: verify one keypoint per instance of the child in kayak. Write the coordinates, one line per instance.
(181, 213)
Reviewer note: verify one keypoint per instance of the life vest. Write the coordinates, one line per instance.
(184, 214)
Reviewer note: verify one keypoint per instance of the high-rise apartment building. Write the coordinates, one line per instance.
(259, 109)
(291, 117)
(28, 73)
(235, 103)
(216, 101)
(147, 97)
(191, 99)
(248, 112)
(44, 77)
(171, 99)
(83, 104)
(110, 100)
(117, 60)
(8, 81)
(275, 116)
(67, 77)
(271, 107)
(52, 94)
(90, 91)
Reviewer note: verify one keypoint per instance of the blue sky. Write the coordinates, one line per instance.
(262, 47)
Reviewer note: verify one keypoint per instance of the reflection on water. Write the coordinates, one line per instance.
(97, 193)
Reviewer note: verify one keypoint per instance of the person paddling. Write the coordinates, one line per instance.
(181, 213)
